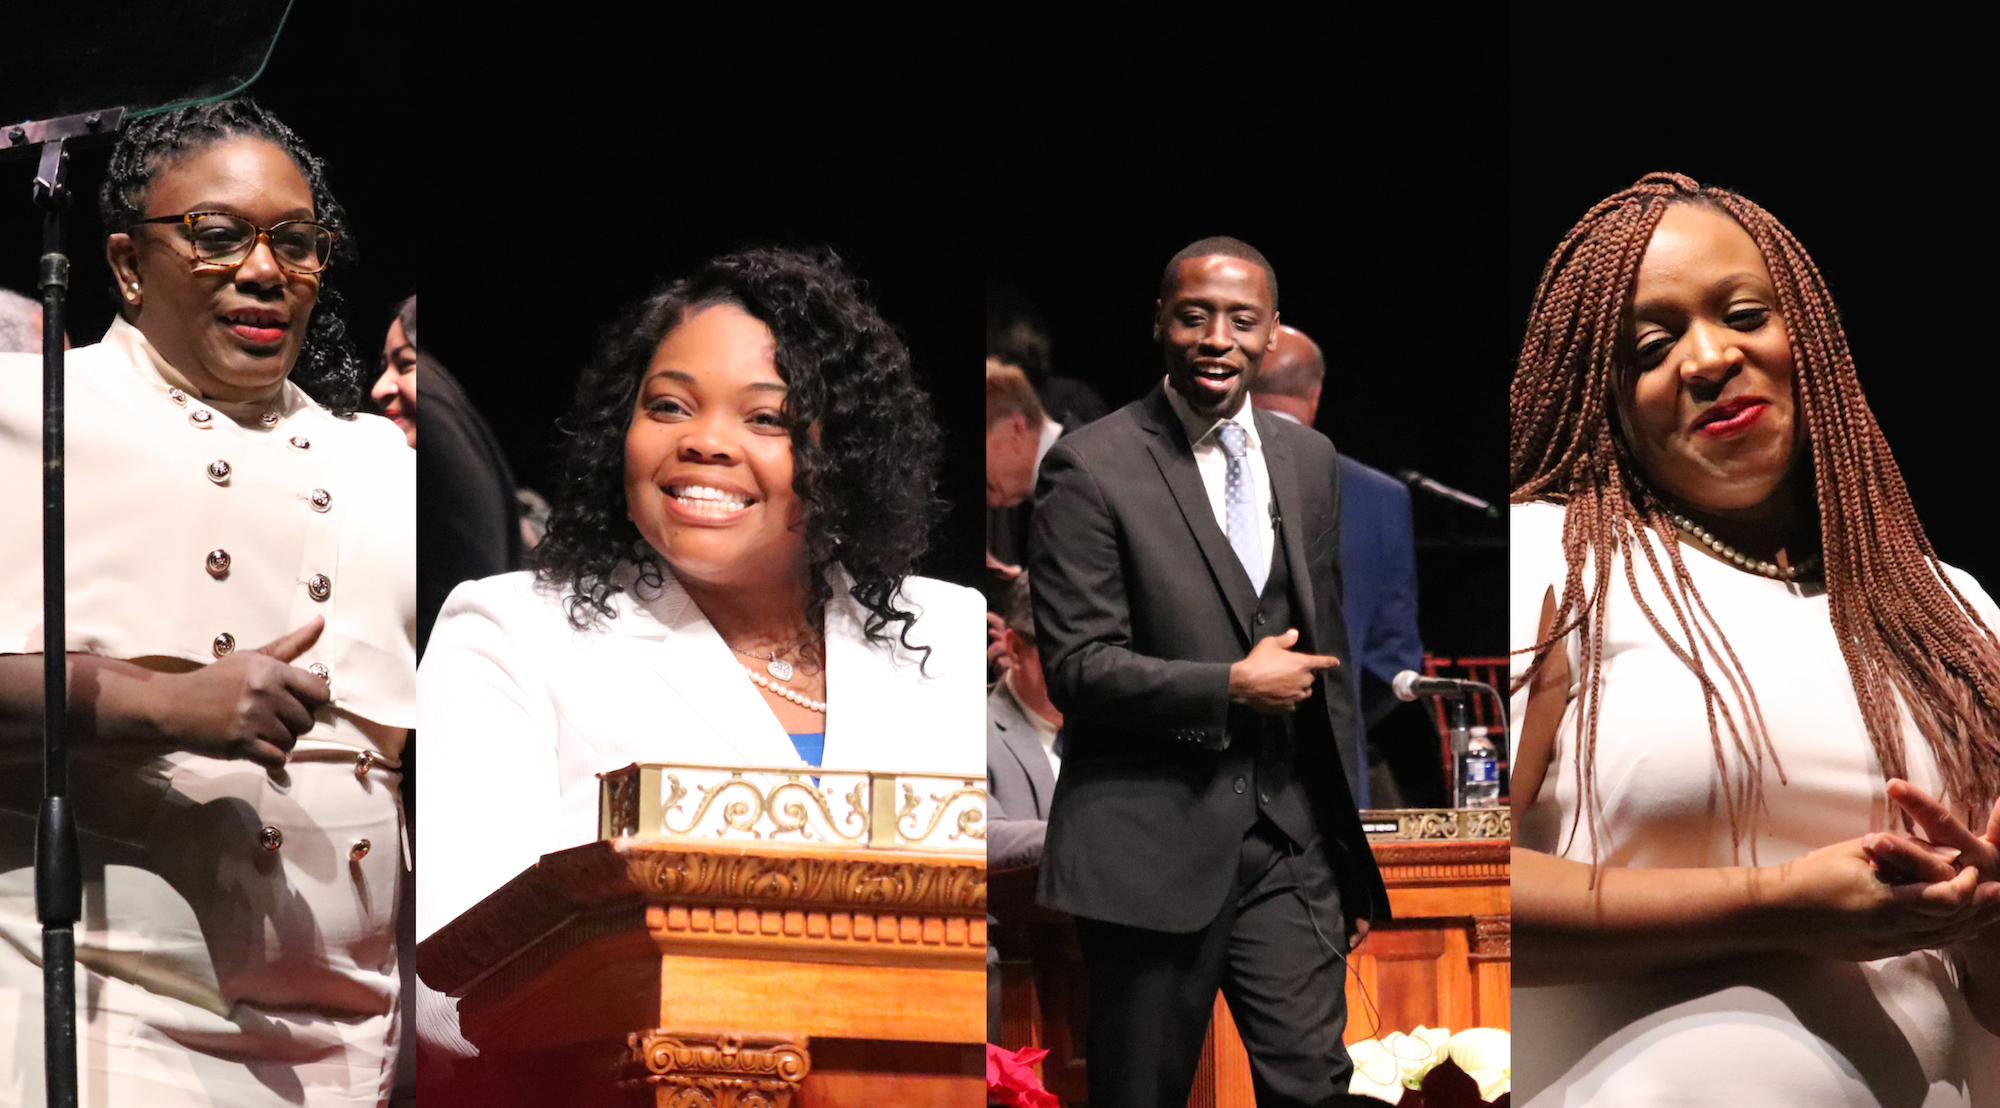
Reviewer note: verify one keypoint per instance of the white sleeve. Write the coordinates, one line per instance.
(488, 796)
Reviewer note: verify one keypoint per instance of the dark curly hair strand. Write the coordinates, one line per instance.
(329, 368)
(868, 484)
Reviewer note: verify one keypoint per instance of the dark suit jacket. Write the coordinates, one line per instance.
(1140, 609)
(1019, 784)
(1378, 563)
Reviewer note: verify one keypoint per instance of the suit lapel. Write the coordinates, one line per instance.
(1018, 735)
(1174, 456)
(696, 663)
(1291, 512)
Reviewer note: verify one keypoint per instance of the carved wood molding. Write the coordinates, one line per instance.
(1408, 864)
(673, 924)
(717, 1069)
(1492, 938)
(777, 879)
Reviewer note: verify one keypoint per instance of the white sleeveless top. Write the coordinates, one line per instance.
(1771, 1030)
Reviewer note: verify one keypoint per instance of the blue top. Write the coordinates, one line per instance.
(811, 745)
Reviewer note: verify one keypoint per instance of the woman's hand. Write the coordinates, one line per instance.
(1948, 838)
(251, 705)
(1876, 897)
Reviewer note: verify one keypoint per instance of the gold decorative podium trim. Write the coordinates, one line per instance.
(1429, 824)
(824, 880)
(717, 1070)
(678, 801)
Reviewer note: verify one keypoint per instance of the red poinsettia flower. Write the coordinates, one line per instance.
(1011, 1080)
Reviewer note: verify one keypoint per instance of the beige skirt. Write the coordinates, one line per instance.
(237, 946)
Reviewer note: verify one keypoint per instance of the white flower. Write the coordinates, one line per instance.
(1375, 1072)
(1486, 1055)
(1384, 1068)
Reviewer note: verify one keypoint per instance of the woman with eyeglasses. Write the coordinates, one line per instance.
(240, 596)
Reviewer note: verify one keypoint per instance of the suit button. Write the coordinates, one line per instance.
(225, 644)
(217, 563)
(1241, 784)
(218, 471)
(1263, 798)
(270, 838)
(1260, 619)
(319, 586)
(321, 500)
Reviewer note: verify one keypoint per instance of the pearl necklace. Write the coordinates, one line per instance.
(1741, 560)
(796, 697)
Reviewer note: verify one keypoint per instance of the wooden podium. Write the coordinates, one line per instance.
(1443, 961)
(723, 974)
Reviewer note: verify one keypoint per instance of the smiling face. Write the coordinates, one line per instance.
(1214, 329)
(395, 392)
(1709, 409)
(233, 331)
(708, 457)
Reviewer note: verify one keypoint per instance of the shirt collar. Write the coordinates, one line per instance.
(1199, 427)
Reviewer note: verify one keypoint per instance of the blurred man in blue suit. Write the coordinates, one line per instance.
(1377, 551)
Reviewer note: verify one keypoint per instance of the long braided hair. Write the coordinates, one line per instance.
(329, 368)
(1909, 637)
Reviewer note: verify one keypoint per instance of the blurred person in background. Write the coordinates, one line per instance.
(1378, 563)
(468, 520)
(20, 324)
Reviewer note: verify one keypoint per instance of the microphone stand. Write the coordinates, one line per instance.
(58, 868)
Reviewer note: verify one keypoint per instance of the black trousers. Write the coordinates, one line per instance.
(1276, 950)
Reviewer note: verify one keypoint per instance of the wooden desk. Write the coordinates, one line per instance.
(1442, 962)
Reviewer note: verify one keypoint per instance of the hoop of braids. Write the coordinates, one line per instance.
(868, 485)
(1908, 636)
(329, 368)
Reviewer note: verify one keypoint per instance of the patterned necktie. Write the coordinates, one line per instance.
(1239, 501)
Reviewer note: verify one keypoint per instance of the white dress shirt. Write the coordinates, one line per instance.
(1213, 463)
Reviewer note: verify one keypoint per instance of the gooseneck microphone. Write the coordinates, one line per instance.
(1409, 685)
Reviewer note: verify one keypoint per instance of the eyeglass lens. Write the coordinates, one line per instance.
(227, 239)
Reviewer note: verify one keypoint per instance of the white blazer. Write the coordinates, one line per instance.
(519, 713)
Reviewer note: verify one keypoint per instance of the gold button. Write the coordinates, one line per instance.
(359, 850)
(319, 586)
(218, 471)
(202, 418)
(178, 397)
(300, 442)
(225, 644)
(363, 762)
(321, 500)
(268, 419)
(270, 838)
(218, 564)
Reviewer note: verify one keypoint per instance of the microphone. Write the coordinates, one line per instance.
(1443, 491)
(1409, 685)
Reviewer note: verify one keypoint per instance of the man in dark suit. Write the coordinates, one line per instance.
(1378, 558)
(1187, 601)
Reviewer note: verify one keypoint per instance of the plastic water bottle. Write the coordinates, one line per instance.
(1478, 772)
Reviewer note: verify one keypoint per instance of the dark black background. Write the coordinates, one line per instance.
(1866, 138)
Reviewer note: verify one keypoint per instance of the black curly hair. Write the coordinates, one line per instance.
(329, 368)
(868, 484)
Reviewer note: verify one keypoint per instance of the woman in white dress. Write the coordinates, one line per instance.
(241, 835)
(1740, 660)
(748, 478)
